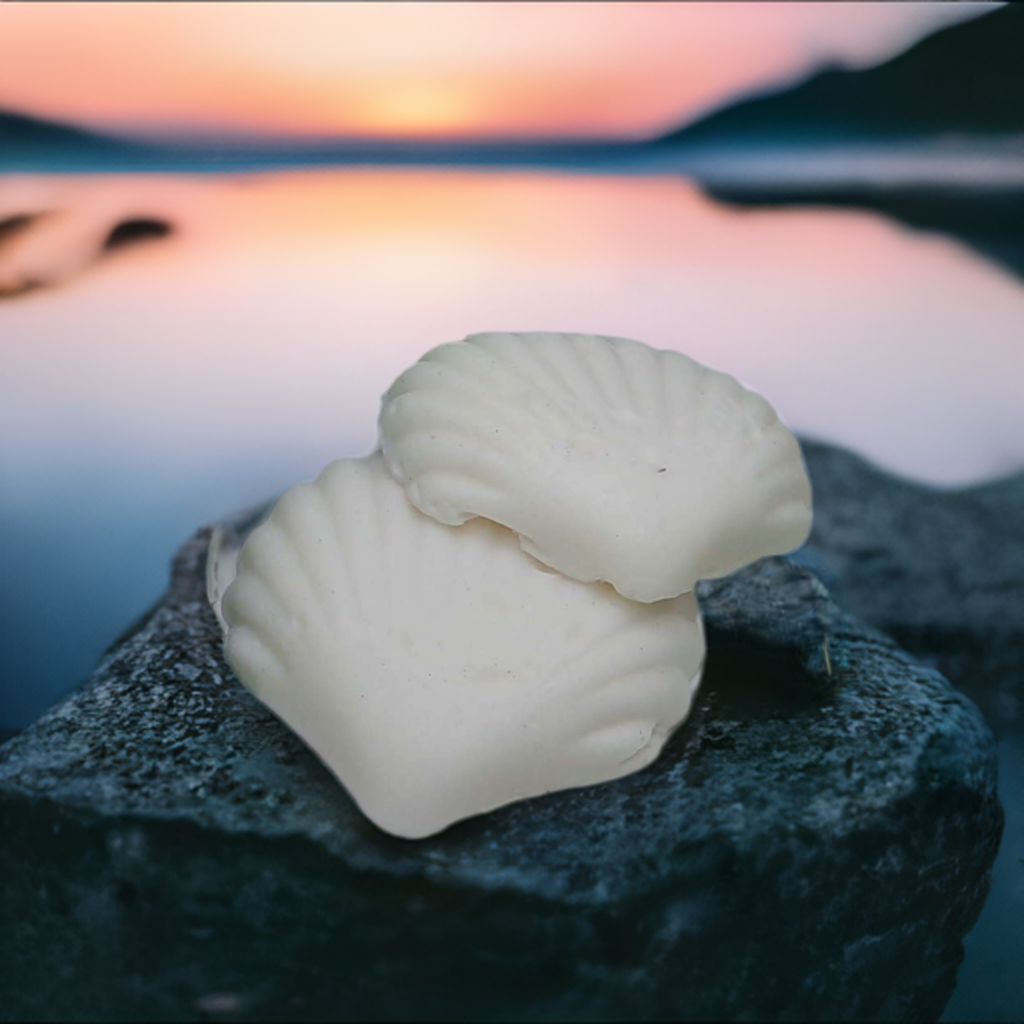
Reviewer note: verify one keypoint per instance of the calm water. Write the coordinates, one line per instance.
(179, 379)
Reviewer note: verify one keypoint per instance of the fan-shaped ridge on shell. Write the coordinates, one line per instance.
(613, 461)
(439, 672)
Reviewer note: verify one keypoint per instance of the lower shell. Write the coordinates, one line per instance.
(441, 672)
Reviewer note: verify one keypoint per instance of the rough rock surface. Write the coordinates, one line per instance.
(814, 843)
(940, 571)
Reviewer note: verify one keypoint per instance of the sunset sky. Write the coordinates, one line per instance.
(428, 69)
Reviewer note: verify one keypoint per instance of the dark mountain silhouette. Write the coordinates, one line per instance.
(964, 78)
(964, 82)
(24, 137)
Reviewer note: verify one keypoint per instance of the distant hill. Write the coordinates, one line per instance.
(964, 78)
(32, 144)
(25, 138)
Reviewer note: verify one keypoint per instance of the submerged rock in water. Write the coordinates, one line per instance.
(940, 571)
(813, 843)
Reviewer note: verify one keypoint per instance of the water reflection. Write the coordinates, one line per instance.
(51, 229)
(164, 384)
(286, 304)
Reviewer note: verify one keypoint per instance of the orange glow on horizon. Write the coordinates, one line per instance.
(461, 69)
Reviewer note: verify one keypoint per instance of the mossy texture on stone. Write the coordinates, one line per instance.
(814, 843)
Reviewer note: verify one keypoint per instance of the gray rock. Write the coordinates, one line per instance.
(814, 843)
(940, 571)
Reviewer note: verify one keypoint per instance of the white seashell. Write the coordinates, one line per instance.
(221, 569)
(226, 539)
(439, 672)
(612, 460)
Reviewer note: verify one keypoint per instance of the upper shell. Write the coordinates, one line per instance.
(612, 460)
(440, 672)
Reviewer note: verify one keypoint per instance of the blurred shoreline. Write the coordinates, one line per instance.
(965, 161)
(970, 187)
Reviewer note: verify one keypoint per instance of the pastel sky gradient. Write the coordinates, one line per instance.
(430, 69)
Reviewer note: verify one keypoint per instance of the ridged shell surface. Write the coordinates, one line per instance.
(441, 672)
(612, 460)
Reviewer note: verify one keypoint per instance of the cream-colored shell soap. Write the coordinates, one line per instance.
(612, 460)
(439, 672)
